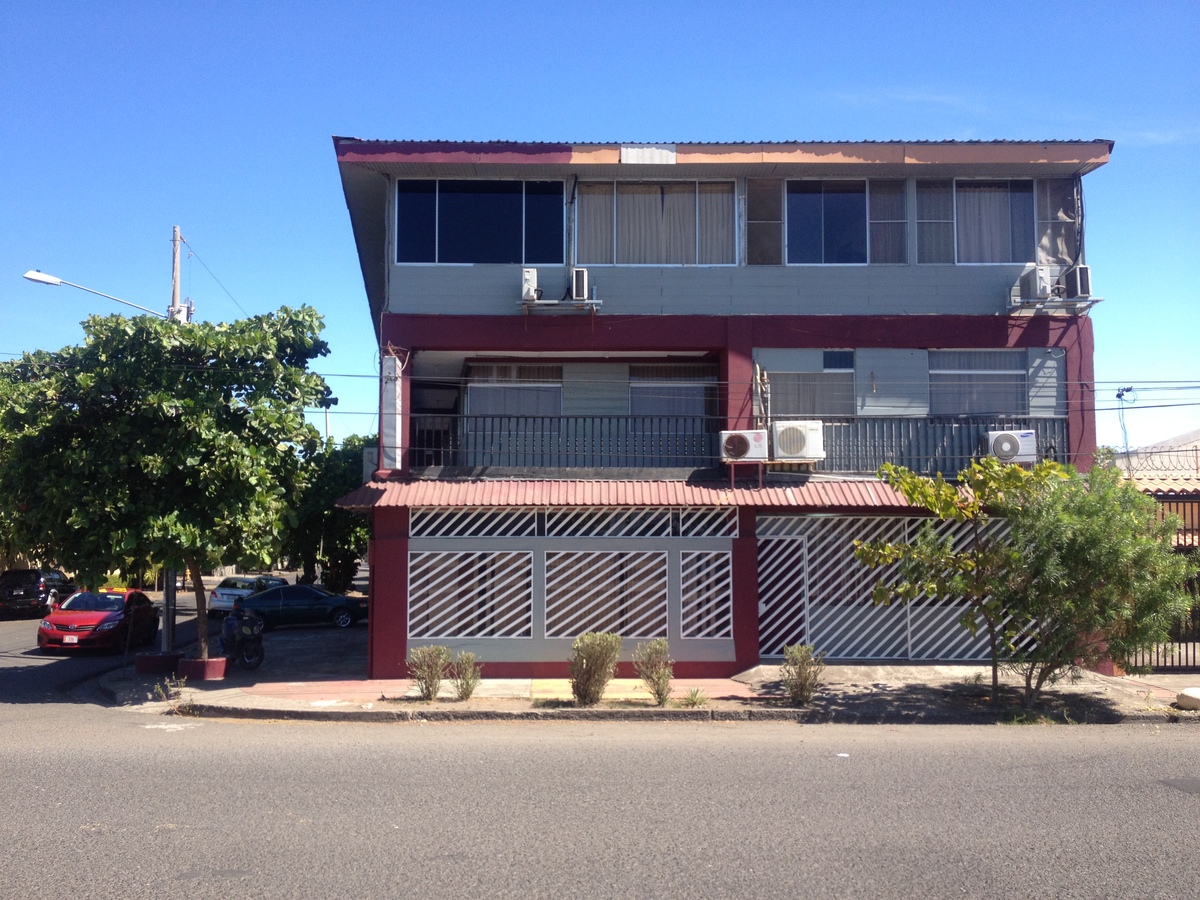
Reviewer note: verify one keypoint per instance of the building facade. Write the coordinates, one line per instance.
(645, 388)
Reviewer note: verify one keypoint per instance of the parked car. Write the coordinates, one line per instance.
(100, 619)
(33, 590)
(220, 599)
(304, 604)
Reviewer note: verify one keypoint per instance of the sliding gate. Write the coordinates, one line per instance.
(812, 590)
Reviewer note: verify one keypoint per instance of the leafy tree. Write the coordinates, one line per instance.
(974, 571)
(1098, 576)
(335, 538)
(179, 443)
(1060, 568)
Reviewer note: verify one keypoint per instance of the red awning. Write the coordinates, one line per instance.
(811, 495)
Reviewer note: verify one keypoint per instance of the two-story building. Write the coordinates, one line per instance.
(645, 388)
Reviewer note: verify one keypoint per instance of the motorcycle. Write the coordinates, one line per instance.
(241, 638)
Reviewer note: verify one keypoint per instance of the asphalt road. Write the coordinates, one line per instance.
(105, 802)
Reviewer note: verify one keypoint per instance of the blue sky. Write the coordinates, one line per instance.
(120, 120)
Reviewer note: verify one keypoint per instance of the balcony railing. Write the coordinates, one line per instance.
(853, 444)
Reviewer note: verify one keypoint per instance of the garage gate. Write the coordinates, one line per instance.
(811, 590)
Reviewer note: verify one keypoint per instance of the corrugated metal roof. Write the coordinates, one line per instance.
(764, 142)
(812, 495)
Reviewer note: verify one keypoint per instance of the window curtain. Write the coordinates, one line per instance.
(639, 223)
(1058, 238)
(935, 221)
(716, 224)
(804, 394)
(889, 236)
(978, 382)
(514, 400)
(984, 222)
(595, 224)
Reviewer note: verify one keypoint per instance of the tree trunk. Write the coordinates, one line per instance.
(193, 566)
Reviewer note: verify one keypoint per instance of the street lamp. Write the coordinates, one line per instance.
(43, 278)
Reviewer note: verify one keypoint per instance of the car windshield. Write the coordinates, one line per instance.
(236, 583)
(86, 601)
(19, 576)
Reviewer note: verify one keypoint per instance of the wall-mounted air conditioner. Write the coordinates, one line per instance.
(799, 441)
(579, 285)
(1078, 282)
(744, 446)
(1040, 283)
(531, 294)
(1012, 446)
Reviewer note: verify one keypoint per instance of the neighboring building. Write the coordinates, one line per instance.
(1169, 471)
(575, 337)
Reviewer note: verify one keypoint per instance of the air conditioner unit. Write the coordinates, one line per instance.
(800, 441)
(1078, 282)
(579, 285)
(1012, 446)
(744, 446)
(1040, 283)
(531, 295)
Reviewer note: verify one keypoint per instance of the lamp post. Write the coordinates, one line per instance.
(175, 311)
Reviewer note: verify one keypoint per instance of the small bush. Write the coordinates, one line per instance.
(428, 666)
(801, 673)
(655, 667)
(695, 698)
(593, 663)
(466, 674)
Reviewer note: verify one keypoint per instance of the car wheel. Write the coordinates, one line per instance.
(341, 617)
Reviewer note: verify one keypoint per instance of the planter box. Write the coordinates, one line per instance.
(201, 669)
(156, 663)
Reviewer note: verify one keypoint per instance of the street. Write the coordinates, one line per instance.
(111, 802)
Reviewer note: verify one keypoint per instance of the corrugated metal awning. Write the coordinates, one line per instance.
(810, 495)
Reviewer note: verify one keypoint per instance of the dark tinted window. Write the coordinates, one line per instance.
(479, 221)
(827, 222)
(452, 221)
(416, 213)
(544, 222)
(19, 576)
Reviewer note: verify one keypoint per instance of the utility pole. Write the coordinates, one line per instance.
(176, 312)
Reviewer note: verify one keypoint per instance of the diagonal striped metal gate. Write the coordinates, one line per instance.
(812, 590)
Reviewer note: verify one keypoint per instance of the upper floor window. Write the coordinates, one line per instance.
(829, 392)
(673, 390)
(650, 223)
(1016, 221)
(846, 222)
(978, 382)
(514, 389)
(469, 221)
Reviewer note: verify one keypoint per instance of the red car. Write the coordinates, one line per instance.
(99, 619)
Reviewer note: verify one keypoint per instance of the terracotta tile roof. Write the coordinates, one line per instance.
(1168, 484)
(812, 495)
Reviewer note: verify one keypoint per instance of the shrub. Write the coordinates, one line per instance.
(466, 674)
(593, 663)
(428, 666)
(695, 698)
(801, 672)
(655, 667)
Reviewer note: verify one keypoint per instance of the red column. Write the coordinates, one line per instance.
(387, 635)
(745, 591)
(737, 373)
(1081, 396)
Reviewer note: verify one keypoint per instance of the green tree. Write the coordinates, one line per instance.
(322, 533)
(1098, 576)
(974, 571)
(179, 443)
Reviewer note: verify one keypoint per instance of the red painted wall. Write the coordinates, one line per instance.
(387, 635)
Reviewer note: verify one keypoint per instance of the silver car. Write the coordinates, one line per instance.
(220, 600)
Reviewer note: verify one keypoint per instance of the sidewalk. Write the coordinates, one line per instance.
(849, 693)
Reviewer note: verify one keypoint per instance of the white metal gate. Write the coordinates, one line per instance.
(812, 590)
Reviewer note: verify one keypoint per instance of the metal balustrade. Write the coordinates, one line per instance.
(945, 444)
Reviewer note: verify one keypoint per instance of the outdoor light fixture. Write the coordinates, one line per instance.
(43, 278)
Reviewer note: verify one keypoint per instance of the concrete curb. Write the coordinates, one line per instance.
(799, 716)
